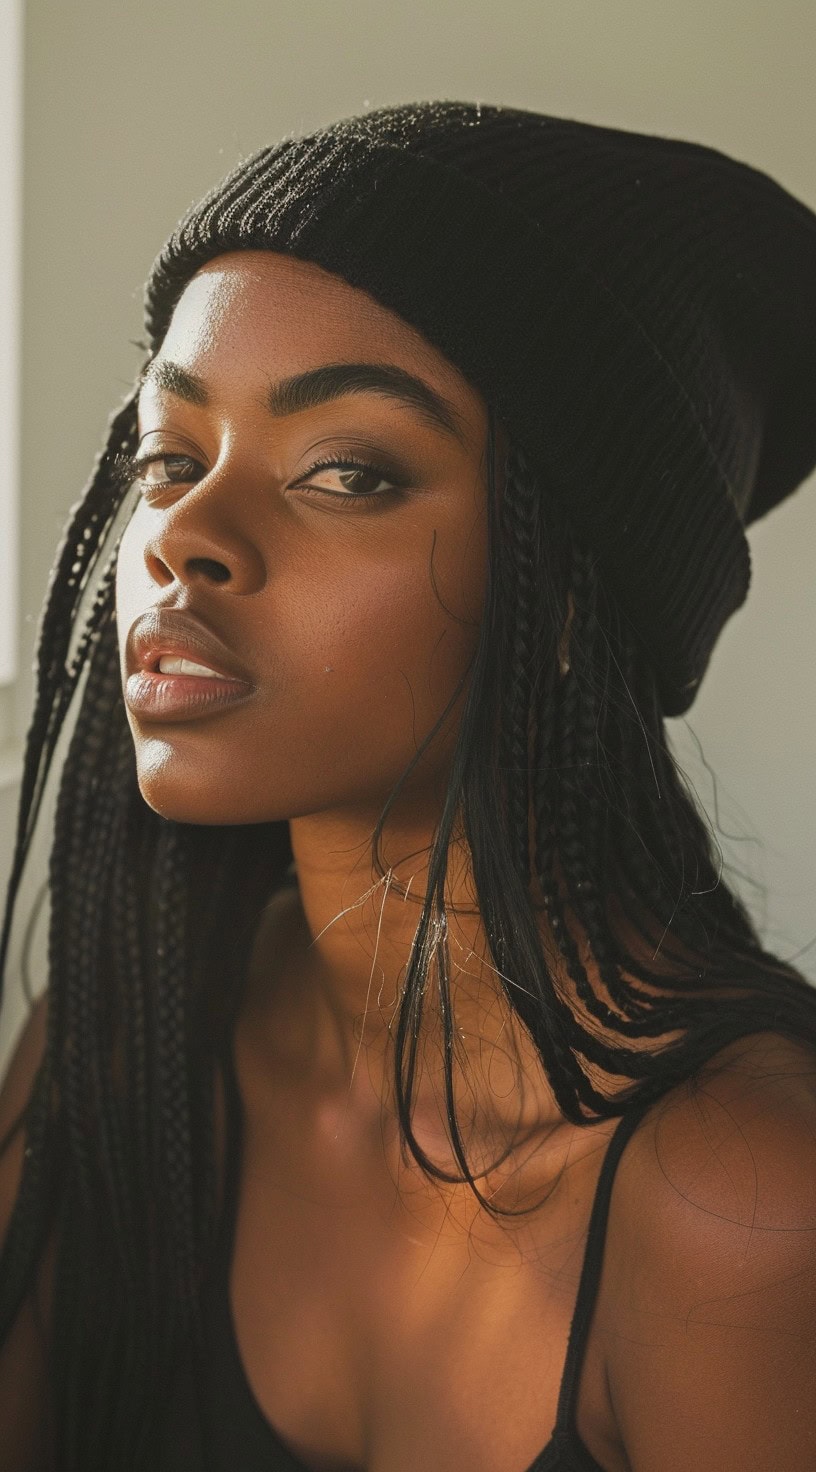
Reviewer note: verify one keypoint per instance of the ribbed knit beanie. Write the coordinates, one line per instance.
(640, 311)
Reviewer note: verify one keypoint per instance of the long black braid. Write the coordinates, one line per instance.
(568, 798)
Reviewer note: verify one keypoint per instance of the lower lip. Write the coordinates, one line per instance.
(182, 697)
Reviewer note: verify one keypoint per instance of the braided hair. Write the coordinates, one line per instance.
(570, 802)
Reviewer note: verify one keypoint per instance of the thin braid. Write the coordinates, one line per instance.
(578, 824)
(116, 1135)
(571, 838)
(80, 1072)
(658, 871)
(129, 966)
(524, 708)
(172, 1006)
(520, 545)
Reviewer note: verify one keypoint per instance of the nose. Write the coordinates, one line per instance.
(206, 537)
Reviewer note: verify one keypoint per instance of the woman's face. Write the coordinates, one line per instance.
(354, 619)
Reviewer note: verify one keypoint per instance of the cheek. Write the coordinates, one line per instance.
(375, 654)
(398, 625)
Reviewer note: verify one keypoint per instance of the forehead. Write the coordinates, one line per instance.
(275, 313)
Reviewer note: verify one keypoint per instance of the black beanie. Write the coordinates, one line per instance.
(640, 311)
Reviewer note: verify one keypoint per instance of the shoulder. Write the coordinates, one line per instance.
(712, 1354)
(748, 1111)
(738, 1135)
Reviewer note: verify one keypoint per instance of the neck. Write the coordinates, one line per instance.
(328, 972)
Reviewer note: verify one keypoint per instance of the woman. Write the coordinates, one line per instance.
(385, 935)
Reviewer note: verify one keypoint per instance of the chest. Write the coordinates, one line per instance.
(384, 1326)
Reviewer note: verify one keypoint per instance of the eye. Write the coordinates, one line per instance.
(362, 480)
(178, 470)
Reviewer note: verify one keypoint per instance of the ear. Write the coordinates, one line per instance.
(565, 636)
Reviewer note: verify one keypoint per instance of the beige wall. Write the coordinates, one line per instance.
(132, 110)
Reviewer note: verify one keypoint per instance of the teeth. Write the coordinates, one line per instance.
(170, 664)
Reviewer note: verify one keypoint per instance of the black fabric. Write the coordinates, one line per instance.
(216, 1425)
(640, 310)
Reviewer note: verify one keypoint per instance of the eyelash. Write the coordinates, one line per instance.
(129, 468)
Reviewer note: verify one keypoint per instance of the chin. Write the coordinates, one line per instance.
(185, 807)
(184, 793)
(201, 809)
(216, 795)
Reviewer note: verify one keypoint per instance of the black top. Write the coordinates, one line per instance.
(216, 1422)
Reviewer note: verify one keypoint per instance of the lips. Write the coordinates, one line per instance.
(187, 695)
(170, 631)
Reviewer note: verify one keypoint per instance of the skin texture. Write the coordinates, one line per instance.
(356, 624)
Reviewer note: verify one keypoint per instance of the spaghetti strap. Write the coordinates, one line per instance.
(591, 1270)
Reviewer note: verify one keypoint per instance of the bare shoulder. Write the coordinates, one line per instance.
(715, 1231)
(731, 1137)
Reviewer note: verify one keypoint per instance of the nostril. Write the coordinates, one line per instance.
(215, 570)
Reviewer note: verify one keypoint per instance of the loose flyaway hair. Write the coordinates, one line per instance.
(569, 799)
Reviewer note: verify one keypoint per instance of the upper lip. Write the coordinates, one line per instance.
(170, 631)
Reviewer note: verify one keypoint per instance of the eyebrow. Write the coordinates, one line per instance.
(320, 385)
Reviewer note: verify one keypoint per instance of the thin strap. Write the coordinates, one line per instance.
(591, 1270)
